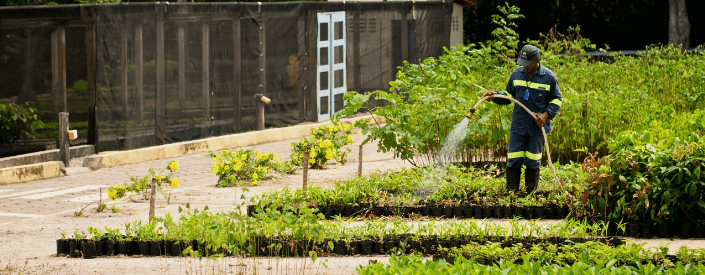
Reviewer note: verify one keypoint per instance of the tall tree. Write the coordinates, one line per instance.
(678, 24)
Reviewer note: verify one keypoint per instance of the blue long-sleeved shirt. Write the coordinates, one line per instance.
(543, 96)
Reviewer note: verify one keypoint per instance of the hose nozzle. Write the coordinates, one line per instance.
(469, 114)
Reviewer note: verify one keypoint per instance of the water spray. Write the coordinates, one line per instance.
(545, 139)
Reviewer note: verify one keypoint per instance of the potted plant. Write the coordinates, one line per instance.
(62, 245)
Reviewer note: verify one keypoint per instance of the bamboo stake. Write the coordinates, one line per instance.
(359, 163)
(306, 154)
(151, 199)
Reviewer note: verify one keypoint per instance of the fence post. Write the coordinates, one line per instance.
(58, 50)
(237, 79)
(260, 101)
(160, 108)
(88, 16)
(64, 138)
(124, 77)
(139, 76)
(205, 68)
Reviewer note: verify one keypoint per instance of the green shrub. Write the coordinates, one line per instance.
(18, 122)
(326, 144)
(246, 166)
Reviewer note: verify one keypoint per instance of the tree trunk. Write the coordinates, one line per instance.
(678, 24)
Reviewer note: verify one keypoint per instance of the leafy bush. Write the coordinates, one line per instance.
(654, 175)
(601, 99)
(235, 168)
(326, 144)
(18, 122)
(143, 186)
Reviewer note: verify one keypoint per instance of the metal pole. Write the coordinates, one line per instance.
(64, 138)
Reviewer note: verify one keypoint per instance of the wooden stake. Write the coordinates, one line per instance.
(359, 163)
(64, 138)
(259, 118)
(151, 199)
(306, 154)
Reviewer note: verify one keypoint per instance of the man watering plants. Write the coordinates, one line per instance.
(536, 87)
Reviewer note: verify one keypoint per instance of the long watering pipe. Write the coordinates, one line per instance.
(545, 140)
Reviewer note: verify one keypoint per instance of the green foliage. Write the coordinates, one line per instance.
(655, 174)
(325, 144)
(601, 99)
(235, 168)
(81, 87)
(18, 122)
(143, 185)
(418, 265)
(507, 39)
(449, 185)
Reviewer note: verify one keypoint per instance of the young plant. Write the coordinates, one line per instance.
(326, 144)
(246, 166)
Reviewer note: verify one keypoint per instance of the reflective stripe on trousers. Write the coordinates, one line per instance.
(524, 149)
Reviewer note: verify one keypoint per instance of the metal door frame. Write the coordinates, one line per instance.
(331, 67)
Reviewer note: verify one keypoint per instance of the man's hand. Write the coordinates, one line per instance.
(491, 94)
(541, 118)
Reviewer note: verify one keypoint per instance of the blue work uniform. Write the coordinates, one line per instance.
(540, 94)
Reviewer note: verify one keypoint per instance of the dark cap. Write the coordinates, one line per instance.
(527, 55)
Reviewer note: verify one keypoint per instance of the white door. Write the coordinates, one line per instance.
(332, 82)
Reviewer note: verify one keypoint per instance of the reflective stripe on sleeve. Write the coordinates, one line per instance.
(557, 102)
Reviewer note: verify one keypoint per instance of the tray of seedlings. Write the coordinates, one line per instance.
(293, 233)
(439, 192)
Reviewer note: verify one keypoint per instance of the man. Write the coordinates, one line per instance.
(536, 87)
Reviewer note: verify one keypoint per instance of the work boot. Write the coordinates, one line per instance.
(531, 179)
(513, 179)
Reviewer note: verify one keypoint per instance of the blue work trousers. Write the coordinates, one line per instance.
(524, 149)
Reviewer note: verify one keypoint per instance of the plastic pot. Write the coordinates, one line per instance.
(89, 250)
(62, 247)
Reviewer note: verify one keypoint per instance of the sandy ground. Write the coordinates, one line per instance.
(28, 246)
